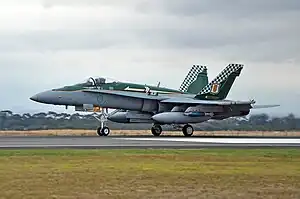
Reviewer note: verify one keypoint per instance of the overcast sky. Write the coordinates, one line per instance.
(52, 43)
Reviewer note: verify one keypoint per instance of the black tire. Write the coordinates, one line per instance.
(156, 130)
(99, 131)
(105, 131)
(188, 130)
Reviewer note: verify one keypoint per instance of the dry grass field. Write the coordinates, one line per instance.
(143, 132)
(138, 174)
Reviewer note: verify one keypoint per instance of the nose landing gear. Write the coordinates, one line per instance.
(103, 130)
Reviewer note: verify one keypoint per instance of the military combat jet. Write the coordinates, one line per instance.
(195, 101)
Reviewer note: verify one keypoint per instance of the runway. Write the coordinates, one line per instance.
(118, 142)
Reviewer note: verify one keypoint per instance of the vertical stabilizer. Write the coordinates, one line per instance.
(195, 80)
(219, 87)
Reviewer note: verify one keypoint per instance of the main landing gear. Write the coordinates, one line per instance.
(103, 130)
(156, 130)
(187, 130)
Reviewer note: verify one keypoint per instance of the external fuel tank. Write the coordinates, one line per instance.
(180, 118)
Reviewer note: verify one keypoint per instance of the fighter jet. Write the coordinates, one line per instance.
(153, 104)
(194, 81)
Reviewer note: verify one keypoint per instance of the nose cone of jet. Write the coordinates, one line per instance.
(34, 98)
(47, 97)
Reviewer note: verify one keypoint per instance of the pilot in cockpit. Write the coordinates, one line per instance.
(100, 81)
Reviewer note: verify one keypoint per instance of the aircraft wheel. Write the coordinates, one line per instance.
(99, 131)
(105, 131)
(156, 130)
(188, 130)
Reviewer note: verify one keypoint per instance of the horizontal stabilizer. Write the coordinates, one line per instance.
(263, 106)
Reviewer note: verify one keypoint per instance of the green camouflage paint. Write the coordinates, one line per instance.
(199, 83)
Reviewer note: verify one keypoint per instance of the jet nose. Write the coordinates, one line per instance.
(54, 97)
(34, 98)
(46, 97)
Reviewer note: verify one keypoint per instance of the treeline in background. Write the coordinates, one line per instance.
(52, 120)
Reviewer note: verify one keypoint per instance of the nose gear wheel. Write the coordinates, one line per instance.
(103, 130)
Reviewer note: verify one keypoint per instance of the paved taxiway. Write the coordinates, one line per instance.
(144, 142)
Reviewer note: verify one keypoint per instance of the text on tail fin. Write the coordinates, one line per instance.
(214, 85)
(191, 77)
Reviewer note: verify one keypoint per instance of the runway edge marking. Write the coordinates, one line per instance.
(221, 140)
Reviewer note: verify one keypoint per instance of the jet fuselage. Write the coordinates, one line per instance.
(75, 95)
(78, 98)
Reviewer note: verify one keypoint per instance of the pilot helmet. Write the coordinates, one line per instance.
(100, 80)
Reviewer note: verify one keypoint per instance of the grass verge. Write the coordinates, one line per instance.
(89, 174)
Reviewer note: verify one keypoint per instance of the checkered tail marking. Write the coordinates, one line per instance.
(231, 68)
(191, 77)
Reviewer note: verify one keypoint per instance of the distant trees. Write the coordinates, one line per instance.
(52, 120)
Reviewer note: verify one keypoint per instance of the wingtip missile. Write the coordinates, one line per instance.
(264, 106)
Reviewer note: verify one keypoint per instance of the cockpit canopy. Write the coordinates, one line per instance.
(89, 83)
(97, 81)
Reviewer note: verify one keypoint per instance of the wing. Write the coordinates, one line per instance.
(167, 98)
(126, 94)
(178, 100)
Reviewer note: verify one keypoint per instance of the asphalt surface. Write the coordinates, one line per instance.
(117, 142)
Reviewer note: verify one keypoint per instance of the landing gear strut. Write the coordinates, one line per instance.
(188, 130)
(156, 130)
(103, 130)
